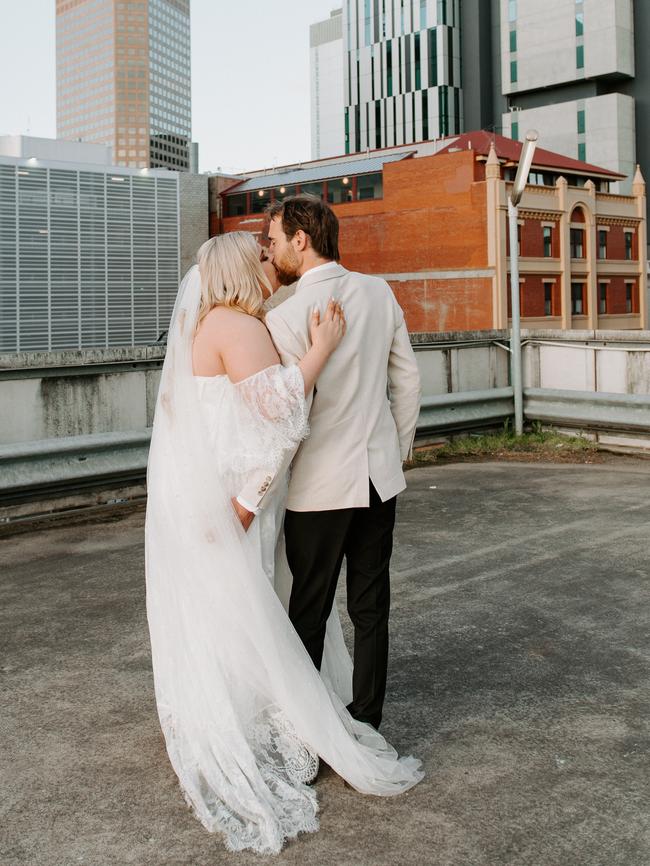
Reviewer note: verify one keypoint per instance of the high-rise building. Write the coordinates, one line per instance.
(402, 71)
(577, 71)
(123, 78)
(327, 105)
(568, 70)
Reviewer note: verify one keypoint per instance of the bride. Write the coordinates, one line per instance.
(244, 712)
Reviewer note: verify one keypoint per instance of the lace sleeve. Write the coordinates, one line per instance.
(273, 418)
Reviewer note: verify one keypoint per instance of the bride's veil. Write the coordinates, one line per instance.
(236, 691)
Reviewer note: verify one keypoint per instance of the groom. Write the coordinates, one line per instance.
(346, 476)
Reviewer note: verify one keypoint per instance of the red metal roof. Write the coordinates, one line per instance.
(508, 149)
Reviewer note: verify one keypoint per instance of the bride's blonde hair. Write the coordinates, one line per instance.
(231, 274)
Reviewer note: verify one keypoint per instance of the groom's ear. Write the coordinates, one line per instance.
(300, 240)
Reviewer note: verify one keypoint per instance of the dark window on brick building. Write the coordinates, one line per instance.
(602, 244)
(577, 299)
(577, 244)
(628, 245)
(370, 186)
(602, 298)
(236, 205)
(312, 189)
(548, 299)
(628, 297)
(548, 243)
(282, 192)
(259, 200)
(339, 190)
(540, 178)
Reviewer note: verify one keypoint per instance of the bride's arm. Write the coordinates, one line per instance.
(246, 347)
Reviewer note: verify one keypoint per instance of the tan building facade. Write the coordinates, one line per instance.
(123, 78)
(582, 257)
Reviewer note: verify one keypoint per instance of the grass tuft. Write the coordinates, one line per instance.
(537, 443)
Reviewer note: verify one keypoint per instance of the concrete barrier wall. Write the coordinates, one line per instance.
(453, 362)
(58, 394)
(616, 362)
(81, 420)
(613, 362)
(79, 393)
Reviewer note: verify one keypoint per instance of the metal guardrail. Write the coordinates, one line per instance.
(468, 410)
(585, 410)
(51, 467)
(33, 470)
(580, 410)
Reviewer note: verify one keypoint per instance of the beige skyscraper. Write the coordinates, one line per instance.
(123, 78)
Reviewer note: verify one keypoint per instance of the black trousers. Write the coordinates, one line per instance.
(316, 542)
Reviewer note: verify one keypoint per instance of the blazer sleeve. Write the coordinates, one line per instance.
(404, 386)
(291, 345)
(291, 342)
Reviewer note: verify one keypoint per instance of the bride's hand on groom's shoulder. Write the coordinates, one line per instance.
(327, 331)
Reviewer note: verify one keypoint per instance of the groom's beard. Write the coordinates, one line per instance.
(287, 268)
(285, 278)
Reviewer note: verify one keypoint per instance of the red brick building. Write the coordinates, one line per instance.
(432, 220)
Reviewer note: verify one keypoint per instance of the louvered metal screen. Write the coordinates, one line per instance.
(87, 259)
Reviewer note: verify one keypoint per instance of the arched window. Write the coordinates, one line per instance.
(578, 236)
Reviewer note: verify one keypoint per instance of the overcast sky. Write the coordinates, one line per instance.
(250, 77)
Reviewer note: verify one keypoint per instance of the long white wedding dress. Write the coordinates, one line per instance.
(242, 708)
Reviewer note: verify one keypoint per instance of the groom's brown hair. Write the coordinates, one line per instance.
(316, 219)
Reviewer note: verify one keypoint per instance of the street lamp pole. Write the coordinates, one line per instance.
(523, 170)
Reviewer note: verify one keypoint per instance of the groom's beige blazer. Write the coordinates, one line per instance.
(367, 399)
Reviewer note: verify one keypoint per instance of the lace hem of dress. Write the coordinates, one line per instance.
(283, 767)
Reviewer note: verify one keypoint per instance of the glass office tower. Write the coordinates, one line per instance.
(123, 78)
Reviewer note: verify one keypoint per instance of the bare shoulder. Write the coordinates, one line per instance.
(229, 320)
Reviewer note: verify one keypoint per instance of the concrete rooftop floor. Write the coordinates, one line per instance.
(519, 673)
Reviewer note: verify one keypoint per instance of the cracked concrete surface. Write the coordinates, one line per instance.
(519, 673)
